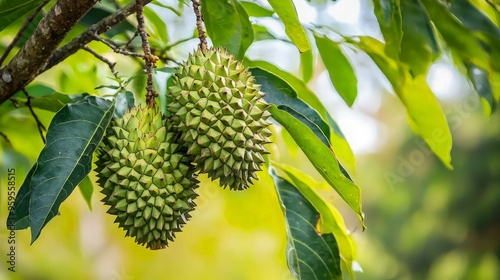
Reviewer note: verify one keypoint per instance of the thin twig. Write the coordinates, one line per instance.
(130, 41)
(199, 26)
(117, 49)
(5, 137)
(149, 59)
(110, 64)
(21, 31)
(39, 124)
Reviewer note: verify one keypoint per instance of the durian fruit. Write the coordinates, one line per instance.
(222, 116)
(148, 181)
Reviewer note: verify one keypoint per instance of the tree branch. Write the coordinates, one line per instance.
(49, 33)
(149, 59)
(89, 35)
(51, 57)
(199, 26)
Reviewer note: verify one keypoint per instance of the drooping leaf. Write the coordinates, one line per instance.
(322, 159)
(388, 15)
(421, 104)
(457, 36)
(124, 102)
(278, 92)
(481, 83)
(256, 10)
(228, 25)
(313, 126)
(339, 69)
(277, 80)
(293, 29)
(309, 255)
(11, 11)
(330, 220)
(300, 88)
(73, 135)
(86, 188)
(418, 46)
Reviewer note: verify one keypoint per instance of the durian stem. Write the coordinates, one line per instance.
(199, 25)
(149, 58)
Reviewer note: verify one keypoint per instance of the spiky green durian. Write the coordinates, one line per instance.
(148, 181)
(222, 116)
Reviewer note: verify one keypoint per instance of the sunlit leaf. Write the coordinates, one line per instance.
(228, 25)
(86, 188)
(421, 104)
(73, 135)
(330, 220)
(261, 33)
(339, 69)
(322, 159)
(309, 255)
(293, 29)
(307, 65)
(256, 10)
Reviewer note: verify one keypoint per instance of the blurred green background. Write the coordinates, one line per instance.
(424, 221)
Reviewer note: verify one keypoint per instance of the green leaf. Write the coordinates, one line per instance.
(340, 146)
(307, 65)
(418, 46)
(228, 25)
(473, 18)
(421, 104)
(389, 19)
(86, 188)
(256, 10)
(330, 219)
(293, 29)
(339, 69)
(124, 101)
(457, 36)
(274, 74)
(322, 159)
(247, 35)
(300, 88)
(313, 126)
(278, 92)
(11, 11)
(73, 135)
(51, 102)
(479, 79)
(156, 27)
(309, 255)
(261, 33)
